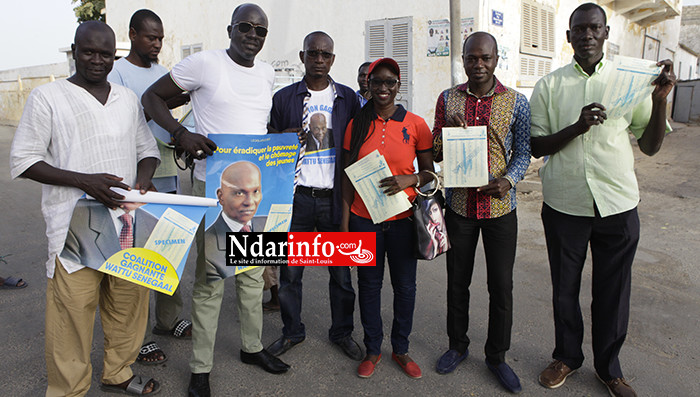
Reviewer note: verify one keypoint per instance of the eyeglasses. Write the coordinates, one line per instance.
(313, 54)
(389, 83)
(244, 27)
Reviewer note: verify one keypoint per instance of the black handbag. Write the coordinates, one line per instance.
(429, 223)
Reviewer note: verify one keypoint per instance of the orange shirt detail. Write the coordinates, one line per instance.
(398, 139)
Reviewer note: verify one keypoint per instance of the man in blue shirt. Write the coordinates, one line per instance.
(137, 71)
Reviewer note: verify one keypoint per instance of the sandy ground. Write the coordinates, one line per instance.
(660, 357)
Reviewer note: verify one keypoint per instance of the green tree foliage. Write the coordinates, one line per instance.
(89, 10)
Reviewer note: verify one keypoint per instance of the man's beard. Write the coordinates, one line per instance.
(147, 59)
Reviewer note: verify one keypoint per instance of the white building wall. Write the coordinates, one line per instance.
(193, 22)
(629, 37)
(686, 65)
(16, 84)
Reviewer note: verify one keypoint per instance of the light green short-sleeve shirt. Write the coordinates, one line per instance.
(595, 167)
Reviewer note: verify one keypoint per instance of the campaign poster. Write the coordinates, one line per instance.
(252, 178)
(439, 38)
(467, 27)
(145, 243)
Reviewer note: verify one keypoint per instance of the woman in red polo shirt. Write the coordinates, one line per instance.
(400, 136)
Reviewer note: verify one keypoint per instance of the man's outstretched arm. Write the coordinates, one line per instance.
(155, 103)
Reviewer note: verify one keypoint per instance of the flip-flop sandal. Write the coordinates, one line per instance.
(12, 283)
(180, 331)
(150, 350)
(135, 387)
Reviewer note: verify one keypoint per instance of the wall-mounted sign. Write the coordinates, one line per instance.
(496, 18)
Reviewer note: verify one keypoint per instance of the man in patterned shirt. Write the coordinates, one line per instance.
(489, 209)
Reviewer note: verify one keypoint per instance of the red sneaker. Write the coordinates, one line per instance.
(411, 368)
(366, 368)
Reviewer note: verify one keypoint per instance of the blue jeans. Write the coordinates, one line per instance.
(395, 239)
(311, 213)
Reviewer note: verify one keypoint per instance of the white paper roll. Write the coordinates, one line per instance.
(135, 196)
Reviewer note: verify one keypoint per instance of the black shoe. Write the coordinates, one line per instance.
(351, 348)
(266, 361)
(450, 360)
(506, 376)
(199, 386)
(281, 345)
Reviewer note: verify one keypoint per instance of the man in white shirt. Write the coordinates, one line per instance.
(137, 71)
(76, 136)
(231, 92)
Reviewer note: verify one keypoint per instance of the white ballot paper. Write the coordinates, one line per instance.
(172, 226)
(365, 175)
(279, 219)
(630, 86)
(465, 156)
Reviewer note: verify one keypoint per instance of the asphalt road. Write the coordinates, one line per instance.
(661, 356)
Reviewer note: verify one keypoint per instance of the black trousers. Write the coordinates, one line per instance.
(499, 237)
(613, 242)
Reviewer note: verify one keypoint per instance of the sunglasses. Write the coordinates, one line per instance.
(244, 27)
(389, 83)
(313, 54)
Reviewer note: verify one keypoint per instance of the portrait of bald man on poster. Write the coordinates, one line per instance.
(239, 195)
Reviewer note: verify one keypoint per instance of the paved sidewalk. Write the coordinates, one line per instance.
(661, 355)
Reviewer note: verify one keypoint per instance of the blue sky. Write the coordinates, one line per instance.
(32, 31)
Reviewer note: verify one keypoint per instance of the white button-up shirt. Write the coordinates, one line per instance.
(68, 128)
(595, 168)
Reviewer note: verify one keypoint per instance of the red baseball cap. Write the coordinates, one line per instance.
(385, 62)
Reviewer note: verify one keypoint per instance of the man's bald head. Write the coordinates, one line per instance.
(241, 191)
(93, 51)
(238, 168)
(247, 32)
(480, 36)
(243, 11)
(317, 56)
(317, 118)
(317, 35)
(90, 28)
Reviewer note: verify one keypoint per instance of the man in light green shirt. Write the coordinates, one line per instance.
(591, 195)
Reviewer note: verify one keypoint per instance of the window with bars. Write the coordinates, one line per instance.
(393, 38)
(651, 48)
(188, 50)
(536, 42)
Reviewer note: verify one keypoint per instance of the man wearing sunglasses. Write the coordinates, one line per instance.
(231, 92)
(317, 200)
